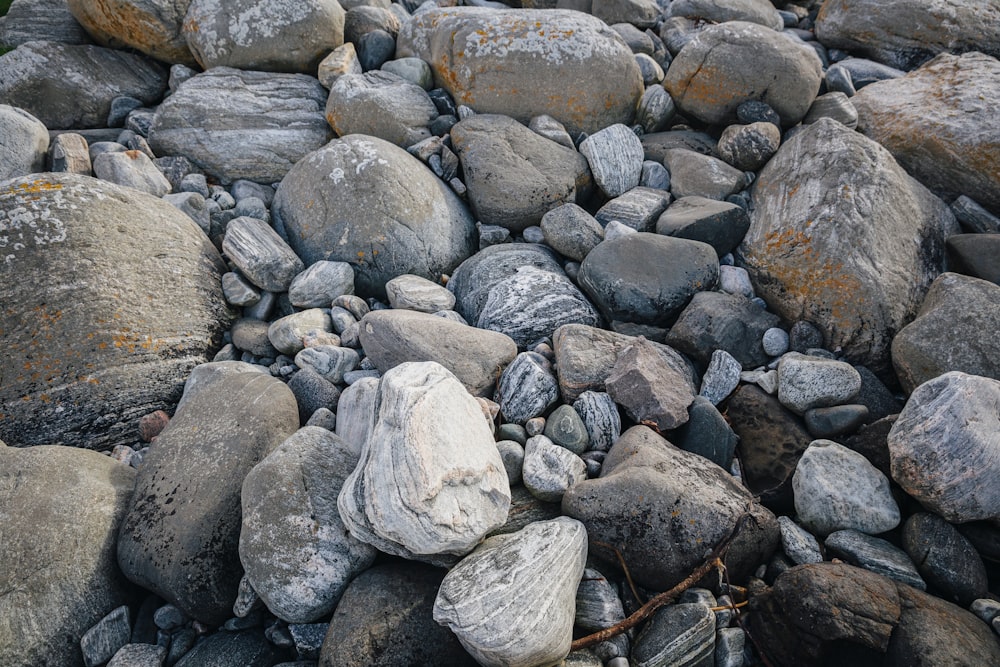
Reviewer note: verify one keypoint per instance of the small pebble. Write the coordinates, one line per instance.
(798, 544)
(566, 429)
(735, 280)
(775, 341)
(721, 377)
(534, 426)
(512, 455)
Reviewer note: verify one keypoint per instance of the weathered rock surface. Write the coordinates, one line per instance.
(237, 124)
(24, 142)
(719, 11)
(112, 296)
(40, 20)
(652, 384)
(150, 26)
(380, 104)
(523, 63)
(945, 558)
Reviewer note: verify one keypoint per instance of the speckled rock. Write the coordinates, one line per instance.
(719, 11)
(35, 20)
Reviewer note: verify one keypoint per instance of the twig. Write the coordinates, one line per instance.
(745, 629)
(628, 575)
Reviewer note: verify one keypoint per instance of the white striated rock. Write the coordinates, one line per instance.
(600, 416)
(549, 470)
(615, 157)
(286, 334)
(263, 256)
(329, 361)
(355, 410)
(320, 284)
(512, 601)
(417, 293)
(597, 603)
(430, 483)
(527, 388)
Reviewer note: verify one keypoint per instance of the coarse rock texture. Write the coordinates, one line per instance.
(369, 203)
(524, 63)
(733, 62)
(40, 20)
(945, 447)
(72, 86)
(426, 488)
(59, 511)
(297, 554)
(180, 536)
(842, 237)
(111, 297)
(942, 121)
(663, 508)
(235, 124)
(948, 332)
(514, 175)
(380, 104)
(263, 35)
(512, 601)
(24, 142)
(150, 26)
(905, 34)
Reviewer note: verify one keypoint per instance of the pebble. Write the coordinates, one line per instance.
(986, 609)
(803, 336)
(512, 455)
(678, 634)
(416, 293)
(749, 147)
(549, 470)
(838, 420)
(729, 645)
(565, 428)
(806, 382)
(329, 361)
(775, 341)
(735, 280)
(261, 255)
(656, 109)
(597, 603)
(721, 377)
(312, 391)
(571, 231)
(654, 175)
(527, 387)
(798, 543)
(103, 640)
(287, 333)
(600, 417)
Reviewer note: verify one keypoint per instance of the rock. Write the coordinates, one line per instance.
(678, 634)
(721, 377)
(380, 104)
(973, 217)
(354, 410)
(749, 147)
(139, 655)
(707, 434)
(932, 121)
(40, 20)
(263, 35)
(512, 601)
(550, 470)
(571, 231)
(834, 105)
(597, 604)
(527, 388)
(838, 420)
(600, 417)
(663, 508)
(71, 86)
(615, 157)
(313, 392)
(719, 11)
(695, 175)
(640, 12)
(297, 554)
(341, 61)
(473, 281)
(288, 333)
(69, 152)
(236, 124)
(945, 558)
(320, 284)
(639, 208)
(942, 446)
(512, 454)
(729, 645)
(24, 142)
(912, 32)
(947, 334)
(726, 64)
(146, 307)
(566, 428)
(817, 271)
(618, 275)
(875, 555)
(131, 169)
(806, 382)
(245, 648)
(652, 387)
(490, 61)
(260, 254)
(837, 488)
(413, 70)
(972, 255)
(719, 321)
(334, 205)
(798, 543)
(100, 643)
(385, 618)
(720, 224)
(452, 485)
(152, 27)
(180, 536)
(515, 175)
(656, 107)
(46, 616)
(415, 293)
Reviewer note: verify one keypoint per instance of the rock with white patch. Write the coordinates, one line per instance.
(380, 104)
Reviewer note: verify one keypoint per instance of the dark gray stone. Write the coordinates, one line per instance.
(875, 555)
(945, 558)
(139, 655)
(656, 144)
(718, 321)
(100, 643)
(707, 433)
(974, 255)
(973, 217)
(571, 231)
(749, 147)
(678, 634)
(720, 224)
(247, 648)
(834, 421)
(313, 391)
(654, 388)
(35, 20)
(695, 175)
(473, 281)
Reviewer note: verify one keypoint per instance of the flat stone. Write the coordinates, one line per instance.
(639, 208)
(874, 554)
(695, 175)
(798, 543)
(945, 558)
(550, 470)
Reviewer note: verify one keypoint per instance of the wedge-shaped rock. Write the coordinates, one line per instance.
(263, 256)
(654, 387)
(430, 483)
(513, 600)
(35, 20)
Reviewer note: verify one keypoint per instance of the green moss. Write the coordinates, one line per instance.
(4, 6)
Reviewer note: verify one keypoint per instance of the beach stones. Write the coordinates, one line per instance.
(337, 204)
(719, 11)
(24, 142)
(150, 26)
(499, 61)
(806, 382)
(945, 558)
(144, 308)
(679, 634)
(652, 384)
(40, 20)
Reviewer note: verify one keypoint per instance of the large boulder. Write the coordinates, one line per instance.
(180, 538)
(942, 123)
(150, 26)
(906, 34)
(524, 63)
(242, 125)
(72, 86)
(265, 35)
(733, 62)
(365, 201)
(24, 142)
(111, 297)
(34, 20)
(61, 511)
(842, 237)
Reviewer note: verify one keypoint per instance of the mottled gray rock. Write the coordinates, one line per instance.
(69, 151)
(512, 601)
(24, 142)
(380, 104)
(320, 284)
(656, 109)
(411, 292)
(695, 175)
(244, 648)
(131, 169)
(566, 428)
(413, 70)
(354, 412)
(837, 488)
(571, 231)
(721, 224)
(945, 558)
(707, 433)
(313, 392)
(335, 205)
(150, 26)
(341, 61)
(449, 485)
(615, 157)
(652, 386)
(139, 655)
(798, 543)
(180, 536)
(192, 205)
(550, 128)
(721, 377)
(40, 20)
(806, 382)
(597, 603)
(678, 634)
(663, 508)
(874, 242)
(835, 105)
(71, 86)
(236, 124)
(473, 281)
(497, 61)
(330, 361)
(512, 454)
(527, 387)
(515, 175)
(639, 208)
(103, 640)
(718, 11)
(749, 147)
(943, 446)
(113, 295)
(730, 63)
(875, 555)
(288, 332)
(263, 35)
(59, 577)
(973, 217)
(549, 470)
(297, 553)
(729, 645)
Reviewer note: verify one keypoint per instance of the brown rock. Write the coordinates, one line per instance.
(654, 388)
(150, 26)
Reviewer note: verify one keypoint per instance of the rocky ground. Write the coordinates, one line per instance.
(593, 332)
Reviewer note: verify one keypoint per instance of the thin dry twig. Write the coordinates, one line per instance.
(628, 575)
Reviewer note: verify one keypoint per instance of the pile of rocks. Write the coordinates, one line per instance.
(420, 334)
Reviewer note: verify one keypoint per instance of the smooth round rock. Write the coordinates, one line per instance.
(806, 382)
(566, 429)
(549, 470)
(24, 142)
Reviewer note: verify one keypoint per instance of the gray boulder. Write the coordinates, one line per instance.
(72, 86)
(367, 202)
(263, 35)
(942, 122)
(180, 536)
(114, 296)
(720, 224)
(150, 26)
(719, 11)
(24, 142)
(59, 576)
(523, 63)
(695, 175)
(732, 62)
(132, 169)
(514, 175)
(380, 104)
(842, 237)
(40, 20)
(242, 125)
